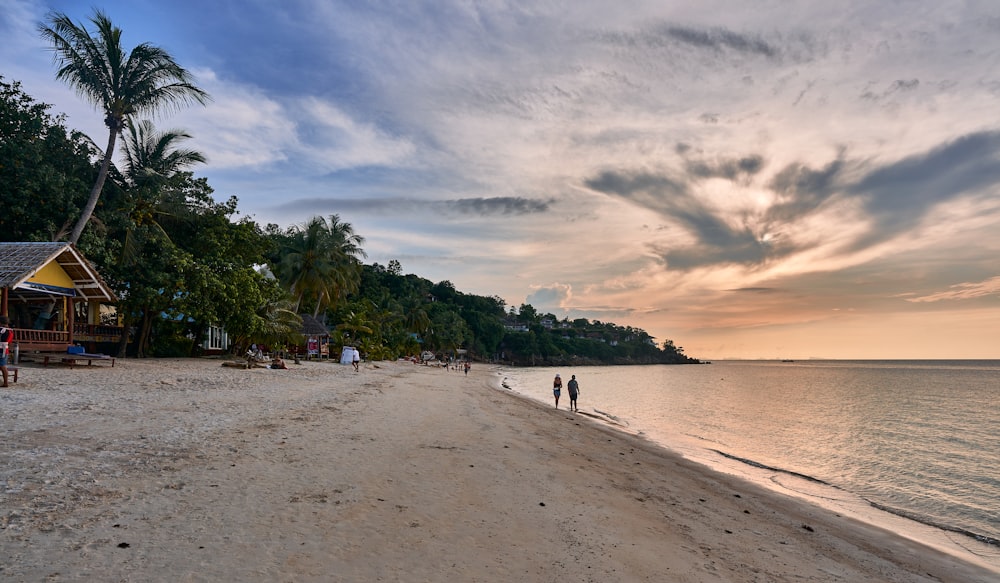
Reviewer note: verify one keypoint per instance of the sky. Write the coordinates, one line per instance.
(768, 179)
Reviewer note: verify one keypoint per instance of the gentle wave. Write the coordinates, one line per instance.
(933, 523)
(750, 462)
(882, 507)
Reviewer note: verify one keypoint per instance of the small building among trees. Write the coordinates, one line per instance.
(55, 298)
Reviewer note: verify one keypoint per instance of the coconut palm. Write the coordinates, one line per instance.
(151, 159)
(145, 80)
(320, 262)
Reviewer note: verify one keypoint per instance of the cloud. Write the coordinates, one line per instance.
(732, 227)
(479, 207)
(550, 297)
(332, 139)
(963, 291)
(730, 169)
(719, 39)
(900, 194)
(717, 239)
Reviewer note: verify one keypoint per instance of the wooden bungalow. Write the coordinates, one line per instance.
(55, 298)
(317, 337)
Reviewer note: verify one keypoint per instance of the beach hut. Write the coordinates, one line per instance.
(55, 297)
(317, 336)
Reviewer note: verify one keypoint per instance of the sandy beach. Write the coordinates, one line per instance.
(185, 470)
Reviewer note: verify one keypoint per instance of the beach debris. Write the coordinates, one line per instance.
(807, 527)
(541, 503)
(123, 545)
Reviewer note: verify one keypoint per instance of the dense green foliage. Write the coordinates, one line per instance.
(43, 168)
(179, 262)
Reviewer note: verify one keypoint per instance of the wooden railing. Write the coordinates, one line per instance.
(96, 333)
(41, 340)
(29, 339)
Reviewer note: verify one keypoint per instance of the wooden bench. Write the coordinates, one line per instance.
(29, 346)
(12, 369)
(72, 359)
(45, 357)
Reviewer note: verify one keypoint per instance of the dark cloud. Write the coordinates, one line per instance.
(898, 86)
(496, 206)
(718, 242)
(730, 169)
(501, 205)
(718, 39)
(898, 195)
(803, 190)
(711, 41)
(633, 185)
(755, 290)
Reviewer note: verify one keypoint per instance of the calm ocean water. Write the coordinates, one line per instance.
(913, 439)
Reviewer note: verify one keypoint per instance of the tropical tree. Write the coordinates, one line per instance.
(355, 326)
(319, 262)
(152, 160)
(43, 165)
(144, 80)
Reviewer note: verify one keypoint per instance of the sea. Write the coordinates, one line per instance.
(909, 445)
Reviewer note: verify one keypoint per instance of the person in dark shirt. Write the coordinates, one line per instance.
(574, 390)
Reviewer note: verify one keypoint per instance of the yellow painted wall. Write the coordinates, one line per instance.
(52, 274)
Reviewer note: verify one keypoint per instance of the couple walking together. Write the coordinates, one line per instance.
(572, 386)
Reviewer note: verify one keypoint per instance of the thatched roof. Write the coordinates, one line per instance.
(19, 262)
(313, 327)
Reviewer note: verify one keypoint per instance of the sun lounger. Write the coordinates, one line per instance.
(72, 359)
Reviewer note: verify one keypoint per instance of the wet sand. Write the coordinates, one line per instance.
(184, 470)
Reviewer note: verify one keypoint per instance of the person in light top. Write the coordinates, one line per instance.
(556, 389)
(6, 339)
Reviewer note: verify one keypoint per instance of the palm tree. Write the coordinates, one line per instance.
(151, 159)
(145, 80)
(355, 326)
(320, 262)
(417, 320)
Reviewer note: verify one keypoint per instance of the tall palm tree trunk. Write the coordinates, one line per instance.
(95, 192)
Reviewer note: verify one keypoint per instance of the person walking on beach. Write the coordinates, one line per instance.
(467, 367)
(6, 338)
(556, 389)
(356, 359)
(574, 390)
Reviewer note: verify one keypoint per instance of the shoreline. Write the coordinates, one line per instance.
(965, 545)
(400, 472)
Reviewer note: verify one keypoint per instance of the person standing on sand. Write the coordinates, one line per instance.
(467, 367)
(574, 390)
(356, 359)
(6, 337)
(556, 389)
